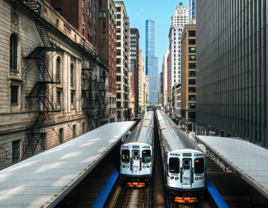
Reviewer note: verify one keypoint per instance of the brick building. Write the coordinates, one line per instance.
(107, 49)
(82, 15)
(188, 74)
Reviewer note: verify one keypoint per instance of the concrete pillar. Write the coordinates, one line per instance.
(68, 72)
(78, 86)
(64, 82)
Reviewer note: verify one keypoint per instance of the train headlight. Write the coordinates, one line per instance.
(144, 167)
(201, 178)
(127, 166)
(124, 166)
(176, 178)
(171, 177)
(148, 166)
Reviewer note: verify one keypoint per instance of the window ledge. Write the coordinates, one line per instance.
(14, 71)
(15, 104)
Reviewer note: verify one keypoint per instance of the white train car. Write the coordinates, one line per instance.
(136, 165)
(183, 162)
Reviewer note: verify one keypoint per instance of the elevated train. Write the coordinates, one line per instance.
(183, 162)
(136, 165)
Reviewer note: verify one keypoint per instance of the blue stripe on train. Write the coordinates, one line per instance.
(99, 202)
(221, 203)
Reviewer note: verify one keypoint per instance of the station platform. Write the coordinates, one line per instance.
(238, 170)
(46, 179)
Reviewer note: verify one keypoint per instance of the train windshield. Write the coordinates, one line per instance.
(199, 165)
(174, 165)
(125, 156)
(146, 156)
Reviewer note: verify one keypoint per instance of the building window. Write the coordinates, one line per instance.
(90, 2)
(118, 78)
(104, 35)
(72, 97)
(192, 33)
(192, 49)
(192, 74)
(118, 95)
(94, 8)
(83, 128)
(58, 97)
(192, 90)
(192, 105)
(60, 136)
(83, 17)
(104, 25)
(83, 31)
(95, 32)
(58, 69)
(72, 74)
(58, 10)
(118, 9)
(118, 23)
(90, 14)
(43, 142)
(118, 104)
(100, 14)
(104, 14)
(192, 42)
(15, 151)
(118, 16)
(83, 4)
(74, 135)
(192, 57)
(118, 86)
(87, 11)
(14, 94)
(192, 81)
(192, 98)
(13, 52)
(192, 65)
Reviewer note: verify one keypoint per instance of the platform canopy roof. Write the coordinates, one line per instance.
(247, 159)
(44, 179)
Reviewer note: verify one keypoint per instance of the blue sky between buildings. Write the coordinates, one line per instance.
(141, 10)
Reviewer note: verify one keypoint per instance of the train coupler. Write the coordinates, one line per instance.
(136, 184)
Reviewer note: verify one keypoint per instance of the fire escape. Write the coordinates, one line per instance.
(103, 99)
(41, 94)
(88, 90)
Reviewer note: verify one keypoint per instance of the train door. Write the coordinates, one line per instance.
(136, 161)
(187, 172)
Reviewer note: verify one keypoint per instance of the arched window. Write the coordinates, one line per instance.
(58, 69)
(72, 74)
(13, 52)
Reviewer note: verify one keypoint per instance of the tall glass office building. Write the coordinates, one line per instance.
(192, 10)
(151, 61)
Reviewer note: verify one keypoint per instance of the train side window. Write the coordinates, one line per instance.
(125, 156)
(199, 165)
(146, 156)
(174, 165)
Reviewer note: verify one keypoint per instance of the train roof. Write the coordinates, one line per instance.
(141, 135)
(175, 139)
(165, 122)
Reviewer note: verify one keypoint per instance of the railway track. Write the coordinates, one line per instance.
(129, 197)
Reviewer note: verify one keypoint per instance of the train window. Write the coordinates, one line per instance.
(186, 164)
(146, 156)
(199, 165)
(125, 156)
(174, 165)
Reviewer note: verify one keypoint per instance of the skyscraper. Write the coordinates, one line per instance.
(151, 61)
(178, 20)
(192, 10)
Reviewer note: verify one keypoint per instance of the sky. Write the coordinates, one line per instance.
(140, 10)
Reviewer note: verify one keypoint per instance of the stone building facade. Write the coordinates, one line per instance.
(52, 84)
(188, 75)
